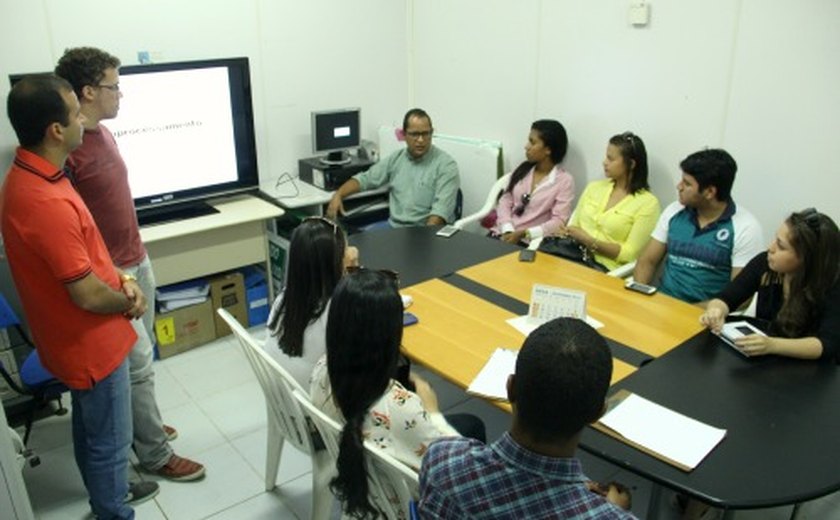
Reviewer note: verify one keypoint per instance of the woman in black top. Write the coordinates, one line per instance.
(798, 286)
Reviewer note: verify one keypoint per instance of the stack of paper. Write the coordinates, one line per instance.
(491, 382)
(179, 295)
(675, 438)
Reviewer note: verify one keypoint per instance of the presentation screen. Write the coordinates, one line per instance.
(186, 130)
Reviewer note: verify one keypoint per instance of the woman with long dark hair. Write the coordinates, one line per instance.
(297, 324)
(538, 198)
(615, 216)
(355, 383)
(797, 282)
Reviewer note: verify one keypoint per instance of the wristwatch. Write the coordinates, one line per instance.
(127, 278)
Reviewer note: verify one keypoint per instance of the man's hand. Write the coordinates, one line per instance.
(335, 207)
(614, 492)
(136, 297)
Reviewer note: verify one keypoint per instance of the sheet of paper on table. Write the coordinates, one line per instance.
(492, 380)
(663, 431)
(526, 324)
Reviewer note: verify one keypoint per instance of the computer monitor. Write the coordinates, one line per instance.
(334, 132)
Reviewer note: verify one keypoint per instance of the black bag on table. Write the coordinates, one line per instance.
(570, 249)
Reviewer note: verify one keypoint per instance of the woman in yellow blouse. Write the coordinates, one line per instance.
(615, 216)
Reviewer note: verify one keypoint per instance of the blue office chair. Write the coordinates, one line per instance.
(37, 384)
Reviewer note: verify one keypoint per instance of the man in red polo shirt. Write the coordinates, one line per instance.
(77, 303)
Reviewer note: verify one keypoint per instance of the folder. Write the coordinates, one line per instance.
(658, 431)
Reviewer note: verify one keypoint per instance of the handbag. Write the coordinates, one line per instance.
(570, 249)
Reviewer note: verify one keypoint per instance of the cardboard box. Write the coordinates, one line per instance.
(228, 292)
(256, 295)
(185, 328)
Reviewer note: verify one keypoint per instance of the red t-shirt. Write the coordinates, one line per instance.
(101, 177)
(51, 240)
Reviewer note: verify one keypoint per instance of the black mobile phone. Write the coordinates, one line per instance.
(527, 255)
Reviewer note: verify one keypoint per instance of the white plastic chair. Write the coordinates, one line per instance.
(391, 484)
(489, 203)
(286, 420)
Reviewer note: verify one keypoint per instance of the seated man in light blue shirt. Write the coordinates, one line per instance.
(423, 179)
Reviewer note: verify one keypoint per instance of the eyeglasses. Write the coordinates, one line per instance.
(519, 210)
(418, 135)
(325, 220)
(389, 273)
(113, 88)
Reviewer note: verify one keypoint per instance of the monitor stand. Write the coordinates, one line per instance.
(174, 212)
(336, 158)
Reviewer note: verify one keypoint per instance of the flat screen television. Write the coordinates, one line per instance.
(334, 132)
(186, 133)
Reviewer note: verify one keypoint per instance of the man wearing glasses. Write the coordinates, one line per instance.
(423, 179)
(99, 174)
(704, 237)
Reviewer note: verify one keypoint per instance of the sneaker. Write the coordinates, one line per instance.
(180, 469)
(139, 492)
(171, 433)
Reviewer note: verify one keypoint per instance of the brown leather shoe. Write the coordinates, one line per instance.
(180, 469)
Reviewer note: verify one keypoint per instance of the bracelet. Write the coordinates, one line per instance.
(594, 246)
(127, 278)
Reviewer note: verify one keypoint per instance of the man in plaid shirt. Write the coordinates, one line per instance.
(562, 375)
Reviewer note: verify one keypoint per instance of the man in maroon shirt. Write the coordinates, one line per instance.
(101, 178)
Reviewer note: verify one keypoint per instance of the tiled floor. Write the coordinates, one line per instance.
(212, 397)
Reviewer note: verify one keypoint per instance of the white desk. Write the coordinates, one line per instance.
(234, 237)
(293, 193)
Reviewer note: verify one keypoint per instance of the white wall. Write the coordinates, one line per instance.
(306, 55)
(317, 54)
(757, 77)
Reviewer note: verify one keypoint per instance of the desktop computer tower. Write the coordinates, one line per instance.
(329, 176)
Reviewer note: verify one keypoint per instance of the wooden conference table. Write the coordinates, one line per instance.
(781, 415)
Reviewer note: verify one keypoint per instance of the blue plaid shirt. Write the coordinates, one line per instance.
(463, 478)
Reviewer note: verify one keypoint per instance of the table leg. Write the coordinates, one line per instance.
(654, 502)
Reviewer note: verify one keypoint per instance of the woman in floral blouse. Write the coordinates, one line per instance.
(355, 384)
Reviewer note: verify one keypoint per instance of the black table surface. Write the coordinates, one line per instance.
(782, 418)
(418, 255)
